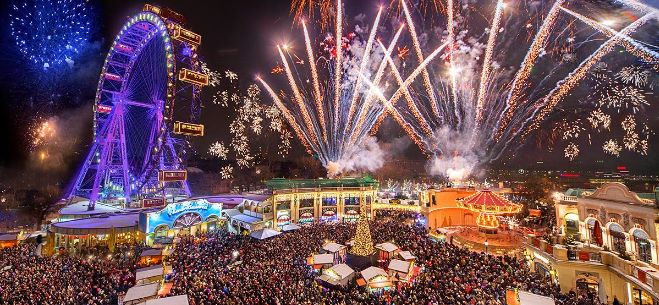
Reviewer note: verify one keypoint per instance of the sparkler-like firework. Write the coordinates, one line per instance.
(472, 108)
(474, 104)
(334, 110)
(252, 126)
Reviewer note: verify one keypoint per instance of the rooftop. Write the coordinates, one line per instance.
(82, 208)
(283, 184)
(97, 225)
(487, 201)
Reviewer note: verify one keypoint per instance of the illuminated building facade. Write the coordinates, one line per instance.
(308, 200)
(607, 244)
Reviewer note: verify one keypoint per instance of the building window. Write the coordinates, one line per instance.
(617, 238)
(571, 224)
(351, 200)
(595, 231)
(643, 249)
(306, 203)
(327, 201)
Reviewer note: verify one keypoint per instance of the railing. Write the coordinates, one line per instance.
(399, 207)
(570, 198)
(640, 271)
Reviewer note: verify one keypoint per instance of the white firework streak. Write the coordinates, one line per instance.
(630, 44)
(521, 78)
(564, 86)
(487, 62)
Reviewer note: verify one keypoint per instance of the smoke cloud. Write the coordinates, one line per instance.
(368, 156)
(458, 157)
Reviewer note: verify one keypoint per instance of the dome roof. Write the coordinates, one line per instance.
(489, 202)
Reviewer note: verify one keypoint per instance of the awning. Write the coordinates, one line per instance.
(142, 292)
(120, 223)
(290, 227)
(264, 233)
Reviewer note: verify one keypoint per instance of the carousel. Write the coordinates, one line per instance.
(490, 207)
(493, 232)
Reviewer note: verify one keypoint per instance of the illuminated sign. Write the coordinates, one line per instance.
(103, 109)
(151, 8)
(111, 76)
(196, 205)
(283, 218)
(172, 175)
(172, 15)
(179, 214)
(153, 202)
(188, 129)
(570, 175)
(187, 36)
(124, 48)
(193, 77)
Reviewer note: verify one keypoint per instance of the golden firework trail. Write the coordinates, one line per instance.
(333, 115)
(487, 62)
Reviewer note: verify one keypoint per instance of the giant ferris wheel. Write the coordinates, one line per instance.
(146, 109)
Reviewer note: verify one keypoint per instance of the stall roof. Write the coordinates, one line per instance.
(333, 247)
(372, 272)
(98, 224)
(527, 298)
(246, 218)
(400, 266)
(140, 292)
(145, 273)
(406, 255)
(323, 259)
(8, 237)
(342, 270)
(151, 252)
(387, 247)
(290, 227)
(82, 208)
(264, 233)
(175, 300)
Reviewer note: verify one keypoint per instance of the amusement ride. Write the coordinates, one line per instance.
(147, 107)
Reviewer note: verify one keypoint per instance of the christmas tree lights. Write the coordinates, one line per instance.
(363, 244)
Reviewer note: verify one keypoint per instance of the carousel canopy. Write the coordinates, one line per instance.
(488, 202)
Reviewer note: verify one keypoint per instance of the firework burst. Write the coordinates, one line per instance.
(333, 112)
(252, 125)
(492, 107)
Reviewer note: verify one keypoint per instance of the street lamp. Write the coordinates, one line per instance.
(486, 244)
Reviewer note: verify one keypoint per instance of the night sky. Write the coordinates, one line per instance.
(237, 35)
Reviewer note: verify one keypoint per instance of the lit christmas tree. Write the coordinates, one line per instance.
(363, 245)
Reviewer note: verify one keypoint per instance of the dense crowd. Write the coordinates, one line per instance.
(28, 278)
(223, 268)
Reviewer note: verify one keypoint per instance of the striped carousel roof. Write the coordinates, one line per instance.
(489, 202)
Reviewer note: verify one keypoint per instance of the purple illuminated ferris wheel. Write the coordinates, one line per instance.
(147, 107)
